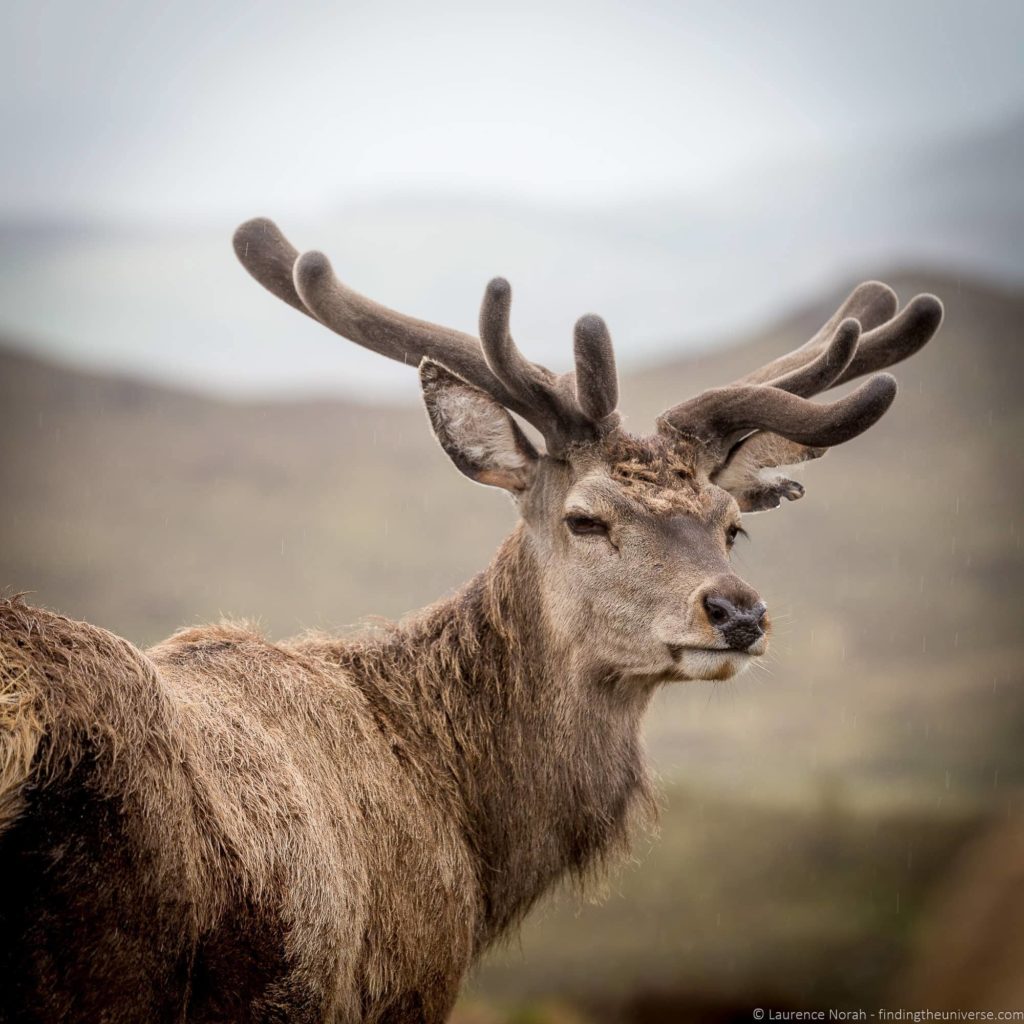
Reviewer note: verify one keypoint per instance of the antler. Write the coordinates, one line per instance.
(888, 337)
(566, 408)
(864, 335)
(774, 397)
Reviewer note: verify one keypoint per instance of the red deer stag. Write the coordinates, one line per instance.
(223, 828)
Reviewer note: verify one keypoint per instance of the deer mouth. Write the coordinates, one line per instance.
(678, 650)
(695, 662)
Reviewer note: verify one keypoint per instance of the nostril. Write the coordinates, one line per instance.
(759, 611)
(719, 610)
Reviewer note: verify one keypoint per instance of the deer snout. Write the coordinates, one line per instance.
(737, 615)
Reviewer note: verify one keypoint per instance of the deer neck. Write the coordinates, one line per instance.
(540, 757)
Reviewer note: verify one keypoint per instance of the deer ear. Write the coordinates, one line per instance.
(478, 434)
(754, 472)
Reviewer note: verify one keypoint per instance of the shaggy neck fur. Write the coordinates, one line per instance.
(536, 755)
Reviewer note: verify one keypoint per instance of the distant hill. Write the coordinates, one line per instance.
(895, 582)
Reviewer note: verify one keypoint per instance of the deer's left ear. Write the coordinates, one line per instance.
(478, 434)
(754, 473)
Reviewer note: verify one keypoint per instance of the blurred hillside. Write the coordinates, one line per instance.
(811, 805)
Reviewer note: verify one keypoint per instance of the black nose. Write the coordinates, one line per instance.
(740, 624)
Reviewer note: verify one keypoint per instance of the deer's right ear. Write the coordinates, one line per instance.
(477, 432)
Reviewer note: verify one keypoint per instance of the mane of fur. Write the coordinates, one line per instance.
(376, 811)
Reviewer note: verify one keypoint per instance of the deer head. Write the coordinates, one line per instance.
(631, 535)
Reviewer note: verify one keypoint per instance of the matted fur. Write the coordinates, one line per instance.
(320, 829)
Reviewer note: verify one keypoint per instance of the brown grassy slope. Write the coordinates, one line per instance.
(143, 509)
(894, 581)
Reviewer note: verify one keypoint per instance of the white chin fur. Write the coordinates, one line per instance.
(715, 665)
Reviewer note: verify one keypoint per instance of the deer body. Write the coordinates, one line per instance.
(224, 828)
(343, 825)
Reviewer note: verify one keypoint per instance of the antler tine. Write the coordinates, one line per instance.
(870, 304)
(597, 384)
(897, 339)
(723, 415)
(552, 402)
(824, 370)
(888, 337)
(269, 257)
(390, 333)
(532, 383)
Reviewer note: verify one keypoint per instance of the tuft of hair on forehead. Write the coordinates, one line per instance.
(664, 476)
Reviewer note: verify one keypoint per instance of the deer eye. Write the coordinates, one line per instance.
(584, 526)
(732, 533)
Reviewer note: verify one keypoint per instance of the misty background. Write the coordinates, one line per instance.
(713, 178)
(688, 170)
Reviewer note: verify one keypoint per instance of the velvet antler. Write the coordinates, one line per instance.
(564, 408)
(765, 420)
(865, 334)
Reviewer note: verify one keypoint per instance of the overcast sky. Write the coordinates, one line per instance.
(689, 169)
(201, 110)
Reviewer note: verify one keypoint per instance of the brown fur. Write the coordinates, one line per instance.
(224, 828)
(665, 477)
